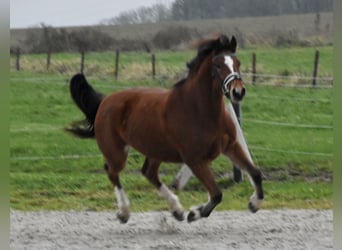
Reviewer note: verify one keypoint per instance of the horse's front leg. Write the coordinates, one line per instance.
(238, 154)
(204, 174)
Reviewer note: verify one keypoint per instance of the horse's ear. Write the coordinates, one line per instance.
(233, 44)
(224, 40)
(221, 42)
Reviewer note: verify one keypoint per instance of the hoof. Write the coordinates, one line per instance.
(123, 218)
(194, 214)
(254, 203)
(191, 216)
(179, 215)
(252, 208)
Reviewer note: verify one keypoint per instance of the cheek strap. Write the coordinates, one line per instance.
(227, 81)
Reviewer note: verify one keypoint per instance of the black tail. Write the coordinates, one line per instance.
(88, 101)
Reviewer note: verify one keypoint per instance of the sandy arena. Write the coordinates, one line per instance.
(267, 229)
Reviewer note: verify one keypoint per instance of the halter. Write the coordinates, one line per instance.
(225, 83)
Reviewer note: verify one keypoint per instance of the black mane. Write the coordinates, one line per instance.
(205, 47)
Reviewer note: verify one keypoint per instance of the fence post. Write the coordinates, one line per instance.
(314, 76)
(48, 59)
(237, 172)
(17, 60)
(153, 66)
(116, 72)
(253, 68)
(82, 61)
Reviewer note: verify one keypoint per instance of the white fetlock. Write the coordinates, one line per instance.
(173, 202)
(123, 205)
(255, 203)
(194, 214)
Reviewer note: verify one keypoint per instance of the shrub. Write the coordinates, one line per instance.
(173, 36)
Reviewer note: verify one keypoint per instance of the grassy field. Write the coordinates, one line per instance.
(50, 169)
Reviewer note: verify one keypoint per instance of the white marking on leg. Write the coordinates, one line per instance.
(123, 202)
(255, 201)
(171, 198)
(196, 212)
(183, 176)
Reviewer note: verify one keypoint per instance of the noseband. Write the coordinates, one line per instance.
(225, 83)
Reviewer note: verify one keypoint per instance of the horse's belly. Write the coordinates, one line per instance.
(156, 150)
(148, 137)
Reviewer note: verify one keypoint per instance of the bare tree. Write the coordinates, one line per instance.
(155, 13)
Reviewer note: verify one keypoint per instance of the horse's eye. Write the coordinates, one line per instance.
(217, 66)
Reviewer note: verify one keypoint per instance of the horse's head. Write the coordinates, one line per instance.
(226, 69)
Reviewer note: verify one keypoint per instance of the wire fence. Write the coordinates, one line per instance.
(245, 120)
(148, 69)
(170, 77)
(80, 156)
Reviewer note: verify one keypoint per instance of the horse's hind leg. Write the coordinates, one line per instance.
(238, 155)
(115, 162)
(150, 170)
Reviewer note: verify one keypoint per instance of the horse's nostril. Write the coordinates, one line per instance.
(239, 94)
(243, 92)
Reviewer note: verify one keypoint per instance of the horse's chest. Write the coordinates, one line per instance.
(201, 149)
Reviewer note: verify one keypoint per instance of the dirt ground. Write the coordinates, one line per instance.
(267, 229)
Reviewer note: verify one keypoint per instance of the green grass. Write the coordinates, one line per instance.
(89, 191)
(296, 162)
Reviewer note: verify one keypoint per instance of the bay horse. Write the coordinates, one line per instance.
(185, 124)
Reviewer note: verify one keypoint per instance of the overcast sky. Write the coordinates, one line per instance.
(28, 13)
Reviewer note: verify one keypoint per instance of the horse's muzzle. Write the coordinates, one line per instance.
(238, 93)
(234, 92)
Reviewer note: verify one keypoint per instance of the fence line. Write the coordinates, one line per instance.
(314, 78)
(288, 77)
(76, 156)
(170, 75)
(272, 123)
(290, 151)
(167, 77)
(61, 157)
(290, 98)
(284, 124)
(66, 82)
(34, 129)
(294, 85)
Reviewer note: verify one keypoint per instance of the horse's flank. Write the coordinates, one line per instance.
(138, 118)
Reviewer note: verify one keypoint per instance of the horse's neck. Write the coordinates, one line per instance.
(203, 93)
